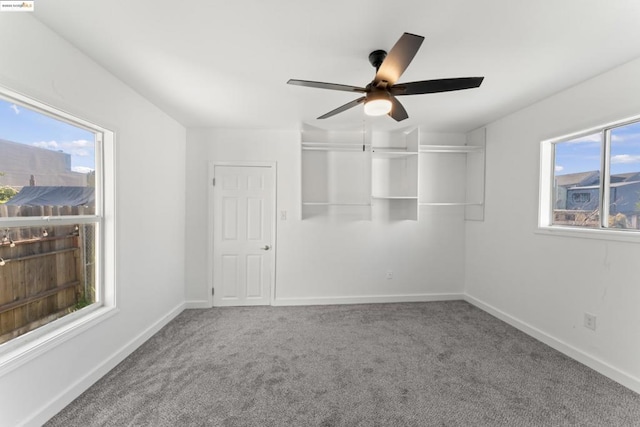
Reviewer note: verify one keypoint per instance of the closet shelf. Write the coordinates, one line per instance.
(325, 146)
(386, 154)
(334, 204)
(450, 204)
(395, 197)
(450, 148)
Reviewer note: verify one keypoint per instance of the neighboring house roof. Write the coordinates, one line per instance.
(580, 178)
(53, 196)
(592, 178)
(597, 187)
(625, 177)
(622, 184)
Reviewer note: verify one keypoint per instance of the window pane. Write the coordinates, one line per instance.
(45, 273)
(576, 183)
(47, 166)
(624, 186)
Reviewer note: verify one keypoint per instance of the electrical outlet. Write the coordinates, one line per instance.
(590, 321)
(389, 274)
(283, 215)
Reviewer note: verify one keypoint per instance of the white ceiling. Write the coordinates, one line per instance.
(226, 63)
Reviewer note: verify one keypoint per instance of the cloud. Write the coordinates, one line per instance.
(559, 168)
(81, 169)
(594, 137)
(50, 145)
(626, 138)
(80, 153)
(80, 143)
(625, 159)
(80, 147)
(15, 108)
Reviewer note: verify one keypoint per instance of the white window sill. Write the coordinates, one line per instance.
(585, 233)
(22, 349)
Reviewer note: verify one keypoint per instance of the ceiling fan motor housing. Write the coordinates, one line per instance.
(374, 93)
(376, 57)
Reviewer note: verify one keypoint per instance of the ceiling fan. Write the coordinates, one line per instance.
(379, 96)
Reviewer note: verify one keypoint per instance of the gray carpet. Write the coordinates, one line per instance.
(414, 364)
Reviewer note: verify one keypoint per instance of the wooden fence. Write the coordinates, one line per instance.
(13, 211)
(41, 277)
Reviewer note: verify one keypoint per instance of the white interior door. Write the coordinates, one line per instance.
(243, 240)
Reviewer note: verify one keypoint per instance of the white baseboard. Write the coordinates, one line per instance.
(197, 304)
(67, 396)
(597, 365)
(367, 299)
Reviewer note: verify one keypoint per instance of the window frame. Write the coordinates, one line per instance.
(547, 175)
(19, 350)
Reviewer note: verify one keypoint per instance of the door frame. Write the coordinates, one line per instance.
(210, 223)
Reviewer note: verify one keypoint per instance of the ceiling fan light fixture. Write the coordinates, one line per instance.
(377, 104)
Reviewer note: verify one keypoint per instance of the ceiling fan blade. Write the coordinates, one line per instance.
(345, 107)
(435, 86)
(322, 85)
(398, 58)
(397, 113)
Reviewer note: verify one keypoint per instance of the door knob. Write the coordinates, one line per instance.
(266, 248)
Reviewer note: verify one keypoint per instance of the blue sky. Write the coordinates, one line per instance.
(583, 154)
(25, 126)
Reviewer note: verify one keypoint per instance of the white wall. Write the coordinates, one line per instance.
(325, 260)
(545, 284)
(150, 153)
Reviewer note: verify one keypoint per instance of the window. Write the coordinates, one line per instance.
(52, 218)
(592, 180)
(581, 197)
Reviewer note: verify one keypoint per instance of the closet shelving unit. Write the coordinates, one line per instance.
(394, 174)
(336, 169)
(360, 174)
(453, 174)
